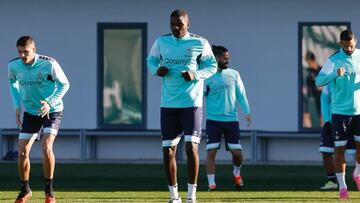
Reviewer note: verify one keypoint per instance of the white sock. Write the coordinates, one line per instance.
(357, 169)
(211, 179)
(236, 170)
(174, 194)
(341, 180)
(191, 191)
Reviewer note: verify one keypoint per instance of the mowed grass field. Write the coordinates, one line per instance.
(147, 183)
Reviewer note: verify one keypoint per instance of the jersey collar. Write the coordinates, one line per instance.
(183, 37)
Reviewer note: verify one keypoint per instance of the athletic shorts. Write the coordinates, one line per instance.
(230, 130)
(344, 128)
(32, 124)
(176, 122)
(327, 141)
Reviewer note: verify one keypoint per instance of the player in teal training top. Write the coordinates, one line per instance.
(342, 70)
(38, 84)
(223, 91)
(183, 60)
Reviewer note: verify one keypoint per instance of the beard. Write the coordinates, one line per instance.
(349, 52)
(223, 66)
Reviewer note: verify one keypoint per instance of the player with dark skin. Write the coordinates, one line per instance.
(179, 27)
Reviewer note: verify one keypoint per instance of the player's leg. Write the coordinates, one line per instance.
(191, 121)
(51, 127)
(232, 141)
(327, 150)
(356, 172)
(170, 131)
(340, 126)
(210, 168)
(328, 163)
(213, 133)
(29, 132)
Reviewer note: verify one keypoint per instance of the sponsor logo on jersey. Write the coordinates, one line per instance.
(38, 82)
(175, 61)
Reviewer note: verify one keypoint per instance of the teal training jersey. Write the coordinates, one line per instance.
(325, 100)
(188, 53)
(42, 80)
(345, 97)
(223, 90)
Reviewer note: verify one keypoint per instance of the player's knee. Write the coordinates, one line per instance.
(23, 155)
(47, 149)
(169, 152)
(211, 153)
(191, 149)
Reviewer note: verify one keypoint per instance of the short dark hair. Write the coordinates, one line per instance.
(346, 35)
(310, 56)
(24, 40)
(178, 13)
(218, 50)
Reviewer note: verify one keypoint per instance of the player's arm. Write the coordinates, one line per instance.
(209, 64)
(242, 98)
(153, 61)
(325, 100)
(62, 84)
(326, 75)
(15, 95)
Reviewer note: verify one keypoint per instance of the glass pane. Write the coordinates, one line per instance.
(318, 41)
(122, 93)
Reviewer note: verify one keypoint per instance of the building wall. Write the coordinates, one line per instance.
(261, 35)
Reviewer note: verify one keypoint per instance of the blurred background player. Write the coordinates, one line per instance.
(183, 60)
(341, 70)
(39, 83)
(312, 113)
(223, 90)
(326, 141)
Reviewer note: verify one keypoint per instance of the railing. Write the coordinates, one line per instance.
(88, 140)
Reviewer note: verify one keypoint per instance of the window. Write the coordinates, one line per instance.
(122, 75)
(317, 41)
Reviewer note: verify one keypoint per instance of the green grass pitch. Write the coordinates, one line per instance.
(147, 183)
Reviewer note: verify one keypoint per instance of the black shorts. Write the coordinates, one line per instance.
(230, 130)
(344, 128)
(32, 124)
(178, 121)
(327, 141)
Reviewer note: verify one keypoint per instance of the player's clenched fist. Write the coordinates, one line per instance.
(187, 75)
(341, 71)
(162, 71)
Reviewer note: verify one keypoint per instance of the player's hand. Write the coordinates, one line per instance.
(341, 71)
(188, 75)
(162, 71)
(45, 109)
(248, 119)
(17, 117)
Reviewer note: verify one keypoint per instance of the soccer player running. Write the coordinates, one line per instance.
(326, 140)
(341, 70)
(223, 90)
(183, 60)
(38, 83)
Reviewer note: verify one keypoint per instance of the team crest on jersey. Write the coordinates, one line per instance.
(189, 52)
(39, 77)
